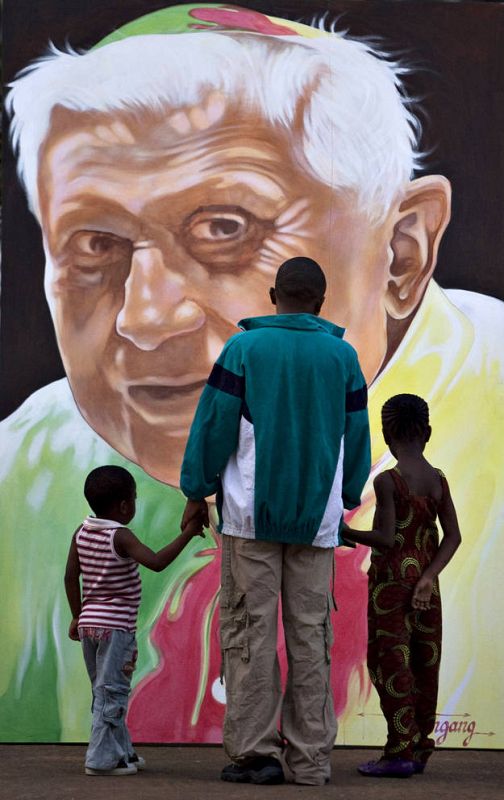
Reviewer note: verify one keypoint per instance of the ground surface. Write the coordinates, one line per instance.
(55, 772)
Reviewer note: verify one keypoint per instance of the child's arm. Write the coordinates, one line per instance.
(127, 545)
(449, 543)
(383, 533)
(72, 588)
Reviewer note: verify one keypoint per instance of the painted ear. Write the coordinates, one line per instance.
(422, 217)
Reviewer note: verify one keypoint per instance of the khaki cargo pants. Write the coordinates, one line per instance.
(254, 575)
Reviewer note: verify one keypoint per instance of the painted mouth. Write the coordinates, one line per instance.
(161, 400)
(162, 392)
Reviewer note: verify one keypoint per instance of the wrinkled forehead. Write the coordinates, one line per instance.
(167, 124)
(145, 132)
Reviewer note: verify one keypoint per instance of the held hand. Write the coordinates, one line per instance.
(73, 630)
(344, 530)
(422, 593)
(195, 509)
(195, 527)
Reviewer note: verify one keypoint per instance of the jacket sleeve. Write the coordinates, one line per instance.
(357, 452)
(216, 425)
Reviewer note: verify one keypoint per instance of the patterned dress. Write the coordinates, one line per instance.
(404, 645)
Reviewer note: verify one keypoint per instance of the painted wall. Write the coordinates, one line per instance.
(163, 228)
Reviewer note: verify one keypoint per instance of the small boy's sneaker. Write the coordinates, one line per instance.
(138, 761)
(121, 768)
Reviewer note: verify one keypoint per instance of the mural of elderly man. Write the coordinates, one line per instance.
(172, 168)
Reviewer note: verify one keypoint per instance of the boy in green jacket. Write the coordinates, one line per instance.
(281, 435)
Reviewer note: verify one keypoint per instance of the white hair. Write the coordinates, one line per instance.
(356, 135)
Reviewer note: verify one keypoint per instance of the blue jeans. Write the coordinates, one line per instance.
(110, 657)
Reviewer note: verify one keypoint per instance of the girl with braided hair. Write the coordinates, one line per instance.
(404, 609)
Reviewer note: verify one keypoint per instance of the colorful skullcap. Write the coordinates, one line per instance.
(195, 17)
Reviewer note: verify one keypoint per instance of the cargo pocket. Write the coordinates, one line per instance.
(328, 628)
(114, 706)
(234, 624)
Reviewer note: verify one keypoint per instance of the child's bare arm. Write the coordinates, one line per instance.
(127, 545)
(451, 535)
(383, 533)
(72, 587)
(449, 543)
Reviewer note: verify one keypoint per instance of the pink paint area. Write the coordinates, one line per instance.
(163, 707)
(182, 701)
(233, 17)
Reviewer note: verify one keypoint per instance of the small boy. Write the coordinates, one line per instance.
(404, 609)
(107, 555)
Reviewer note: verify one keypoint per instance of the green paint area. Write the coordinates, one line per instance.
(176, 19)
(30, 709)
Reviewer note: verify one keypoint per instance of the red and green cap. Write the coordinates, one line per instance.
(195, 17)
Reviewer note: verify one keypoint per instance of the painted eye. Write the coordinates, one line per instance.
(94, 259)
(211, 227)
(99, 246)
(224, 236)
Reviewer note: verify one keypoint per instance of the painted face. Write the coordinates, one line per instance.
(160, 234)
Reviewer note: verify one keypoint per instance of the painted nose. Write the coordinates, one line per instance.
(155, 306)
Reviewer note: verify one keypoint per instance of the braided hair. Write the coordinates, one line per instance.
(405, 417)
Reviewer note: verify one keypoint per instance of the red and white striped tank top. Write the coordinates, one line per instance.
(111, 585)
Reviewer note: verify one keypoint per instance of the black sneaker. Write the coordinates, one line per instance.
(121, 768)
(138, 761)
(263, 770)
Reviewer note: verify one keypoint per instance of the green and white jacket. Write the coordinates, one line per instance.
(281, 432)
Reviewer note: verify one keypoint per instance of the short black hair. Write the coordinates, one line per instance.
(301, 279)
(106, 486)
(405, 417)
